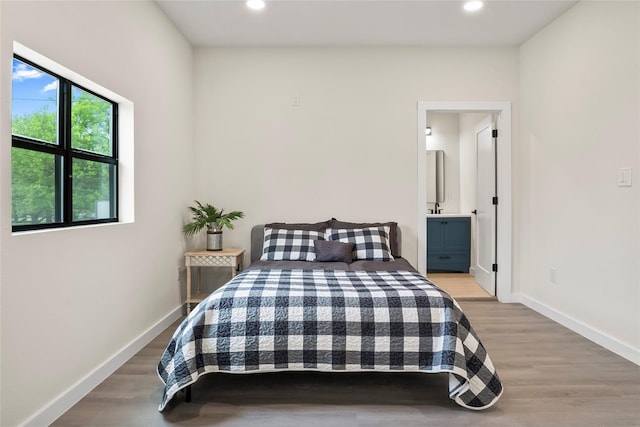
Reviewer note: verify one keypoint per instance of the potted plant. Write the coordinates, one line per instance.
(214, 220)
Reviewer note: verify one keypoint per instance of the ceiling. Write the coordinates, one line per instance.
(360, 22)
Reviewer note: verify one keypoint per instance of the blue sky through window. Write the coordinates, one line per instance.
(33, 90)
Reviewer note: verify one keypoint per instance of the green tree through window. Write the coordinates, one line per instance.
(64, 152)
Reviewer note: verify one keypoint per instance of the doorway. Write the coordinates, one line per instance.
(461, 235)
(502, 113)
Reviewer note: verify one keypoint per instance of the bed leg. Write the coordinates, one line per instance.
(187, 392)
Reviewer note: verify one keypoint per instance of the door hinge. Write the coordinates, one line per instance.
(494, 268)
(494, 200)
(494, 133)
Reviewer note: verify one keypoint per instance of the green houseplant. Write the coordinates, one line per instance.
(213, 219)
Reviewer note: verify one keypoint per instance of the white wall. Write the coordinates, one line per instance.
(349, 150)
(445, 136)
(468, 160)
(580, 80)
(73, 298)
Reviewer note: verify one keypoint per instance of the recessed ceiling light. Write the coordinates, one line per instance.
(255, 4)
(472, 6)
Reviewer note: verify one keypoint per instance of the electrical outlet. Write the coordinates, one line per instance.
(553, 273)
(295, 101)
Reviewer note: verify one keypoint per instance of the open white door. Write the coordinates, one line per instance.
(485, 207)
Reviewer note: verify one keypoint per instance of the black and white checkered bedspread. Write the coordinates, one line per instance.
(273, 320)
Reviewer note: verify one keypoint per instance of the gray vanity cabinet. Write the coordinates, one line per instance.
(448, 244)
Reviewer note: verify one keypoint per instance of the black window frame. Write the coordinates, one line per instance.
(66, 154)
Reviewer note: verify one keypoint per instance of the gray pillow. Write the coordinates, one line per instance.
(333, 251)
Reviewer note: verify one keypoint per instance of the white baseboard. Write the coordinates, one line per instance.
(598, 337)
(61, 404)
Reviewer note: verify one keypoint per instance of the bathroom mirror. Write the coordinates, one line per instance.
(435, 176)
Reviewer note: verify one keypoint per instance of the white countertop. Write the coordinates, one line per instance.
(449, 215)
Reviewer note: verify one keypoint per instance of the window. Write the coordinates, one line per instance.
(64, 154)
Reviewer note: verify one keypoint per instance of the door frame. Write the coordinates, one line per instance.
(502, 109)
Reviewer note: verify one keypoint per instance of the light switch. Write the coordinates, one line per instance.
(624, 177)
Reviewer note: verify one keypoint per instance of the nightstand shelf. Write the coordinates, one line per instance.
(226, 258)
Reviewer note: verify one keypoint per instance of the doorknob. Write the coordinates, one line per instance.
(475, 211)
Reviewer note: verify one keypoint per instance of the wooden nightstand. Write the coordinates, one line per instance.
(231, 258)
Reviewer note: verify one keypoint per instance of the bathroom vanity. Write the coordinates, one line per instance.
(448, 243)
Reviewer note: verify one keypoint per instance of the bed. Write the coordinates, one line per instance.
(330, 296)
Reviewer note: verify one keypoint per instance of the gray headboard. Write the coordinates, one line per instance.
(257, 241)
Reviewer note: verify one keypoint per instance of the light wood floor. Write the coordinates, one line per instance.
(552, 377)
(459, 285)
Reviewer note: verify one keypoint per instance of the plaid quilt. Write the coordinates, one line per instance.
(267, 320)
